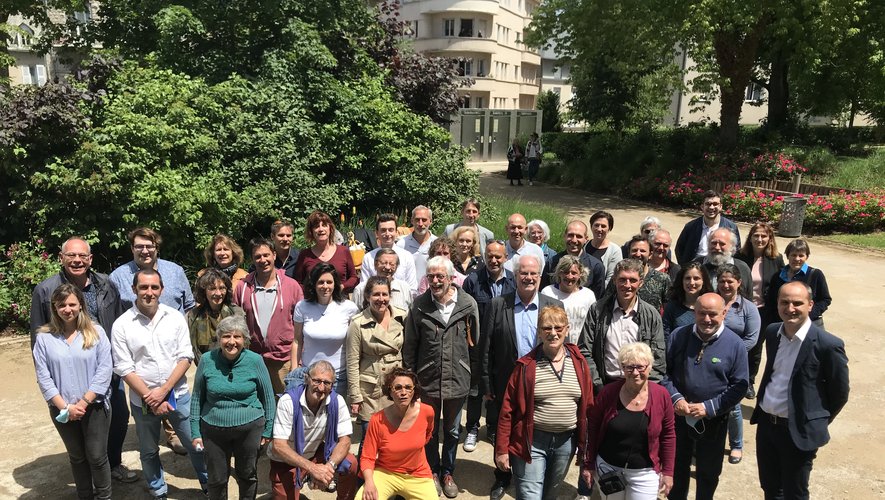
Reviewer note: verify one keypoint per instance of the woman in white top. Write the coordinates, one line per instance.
(600, 247)
(321, 322)
(567, 279)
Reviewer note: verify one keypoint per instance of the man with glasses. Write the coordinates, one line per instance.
(510, 328)
(707, 376)
(311, 438)
(441, 345)
(103, 306)
(693, 239)
(145, 245)
(660, 258)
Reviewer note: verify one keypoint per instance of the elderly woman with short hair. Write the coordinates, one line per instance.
(213, 294)
(538, 232)
(232, 409)
(632, 429)
(567, 279)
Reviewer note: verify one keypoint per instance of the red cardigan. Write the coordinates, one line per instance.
(661, 421)
(341, 261)
(516, 422)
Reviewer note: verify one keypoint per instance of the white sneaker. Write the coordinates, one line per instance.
(531, 183)
(582, 497)
(470, 441)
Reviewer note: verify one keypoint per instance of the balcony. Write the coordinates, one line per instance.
(531, 57)
(456, 44)
(478, 6)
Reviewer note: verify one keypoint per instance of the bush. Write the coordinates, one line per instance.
(22, 267)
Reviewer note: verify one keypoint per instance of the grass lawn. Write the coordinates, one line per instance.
(857, 173)
(872, 240)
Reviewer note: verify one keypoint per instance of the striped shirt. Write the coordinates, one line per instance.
(556, 401)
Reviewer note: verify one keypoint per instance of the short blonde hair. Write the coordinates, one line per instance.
(636, 351)
(465, 229)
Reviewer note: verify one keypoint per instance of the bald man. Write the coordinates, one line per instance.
(517, 245)
(707, 376)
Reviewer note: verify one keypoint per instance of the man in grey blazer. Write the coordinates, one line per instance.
(510, 331)
(803, 388)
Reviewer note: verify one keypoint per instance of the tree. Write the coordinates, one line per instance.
(548, 103)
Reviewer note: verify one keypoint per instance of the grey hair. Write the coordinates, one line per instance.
(319, 366)
(235, 323)
(422, 207)
(651, 219)
(543, 225)
(734, 239)
(440, 261)
(636, 351)
(518, 264)
(88, 246)
(387, 251)
(651, 236)
(566, 263)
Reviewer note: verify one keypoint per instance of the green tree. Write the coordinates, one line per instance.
(548, 103)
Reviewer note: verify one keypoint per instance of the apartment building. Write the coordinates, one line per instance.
(486, 38)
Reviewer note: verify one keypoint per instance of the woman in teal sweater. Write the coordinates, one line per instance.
(232, 409)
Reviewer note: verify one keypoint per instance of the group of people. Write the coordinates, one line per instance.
(632, 362)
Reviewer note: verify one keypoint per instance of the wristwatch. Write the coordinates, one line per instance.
(334, 465)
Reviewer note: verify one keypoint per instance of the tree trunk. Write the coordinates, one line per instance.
(732, 97)
(778, 91)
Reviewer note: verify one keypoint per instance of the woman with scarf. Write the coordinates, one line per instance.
(213, 294)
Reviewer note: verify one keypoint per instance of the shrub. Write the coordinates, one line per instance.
(22, 267)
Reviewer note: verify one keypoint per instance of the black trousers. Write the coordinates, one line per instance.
(119, 422)
(242, 442)
(784, 470)
(492, 411)
(707, 449)
(86, 441)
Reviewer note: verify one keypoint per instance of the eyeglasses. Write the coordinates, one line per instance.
(634, 368)
(144, 247)
(401, 387)
(436, 277)
(319, 381)
(557, 329)
(81, 256)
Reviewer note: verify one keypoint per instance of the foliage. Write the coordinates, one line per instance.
(548, 103)
(865, 172)
(496, 209)
(22, 267)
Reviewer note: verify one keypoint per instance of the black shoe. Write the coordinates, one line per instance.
(490, 437)
(520, 183)
(751, 393)
(497, 492)
(732, 459)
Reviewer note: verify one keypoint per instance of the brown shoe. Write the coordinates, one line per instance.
(175, 444)
(450, 489)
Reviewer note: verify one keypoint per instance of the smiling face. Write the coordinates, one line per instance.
(386, 234)
(325, 286)
(469, 214)
(421, 221)
(75, 258)
(793, 306)
(516, 229)
(263, 258)
(661, 244)
(536, 235)
(495, 258)
(465, 243)
(215, 295)
(636, 371)
(570, 279)
(147, 293)
(68, 310)
(575, 238)
(627, 283)
(552, 334)
(640, 250)
(379, 299)
(282, 239)
(728, 285)
(144, 252)
(720, 242)
(385, 266)
(600, 229)
(232, 344)
(797, 259)
(712, 207)
(692, 282)
(440, 283)
(528, 278)
(760, 239)
(224, 256)
(318, 386)
(709, 313)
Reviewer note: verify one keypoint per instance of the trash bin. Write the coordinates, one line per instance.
(792, 217)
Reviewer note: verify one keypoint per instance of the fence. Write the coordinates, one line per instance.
(780, 187)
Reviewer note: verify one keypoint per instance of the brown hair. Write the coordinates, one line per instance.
(442, 241)
(770, 251)
(316, 218)
(401, 372)
(236, 250)
(146, 233)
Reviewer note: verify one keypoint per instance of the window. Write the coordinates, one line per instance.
(465, 101)
(477, 102)
(481, 68)
(411, 30)
(33, 75)
(754, 92)
(557, 90)
(465, 67)
(449, 27)
(466, 28)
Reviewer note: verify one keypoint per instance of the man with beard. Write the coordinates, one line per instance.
(315, 412)
(576, 237)
(418, 241)
(441, 344)
(510, 330)
(517, 245)
(385, 234)
(723, 244)
(692, 242)
(707, 376)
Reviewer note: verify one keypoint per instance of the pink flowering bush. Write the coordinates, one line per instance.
(22, 267)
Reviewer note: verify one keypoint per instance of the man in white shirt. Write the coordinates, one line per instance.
(152, 352)
(418, 241)
(516, 244)
(385, 233)
(386, 263)
(295, 457)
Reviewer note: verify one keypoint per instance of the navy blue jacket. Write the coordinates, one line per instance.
(690, 238)
(718, 377)
(479, 286)
(818, 386)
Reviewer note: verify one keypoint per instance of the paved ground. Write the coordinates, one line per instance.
(33, 463)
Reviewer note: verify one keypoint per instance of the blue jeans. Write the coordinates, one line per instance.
(450, 411)
(551, 456)
(736, 428)
(148, 429)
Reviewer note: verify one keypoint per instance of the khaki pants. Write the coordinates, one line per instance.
(278, 371)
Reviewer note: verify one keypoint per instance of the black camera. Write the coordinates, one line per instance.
(612, 482)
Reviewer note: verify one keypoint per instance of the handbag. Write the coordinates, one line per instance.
(614, 480)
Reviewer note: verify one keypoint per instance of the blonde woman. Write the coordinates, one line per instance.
(72, 357)
(467, 254)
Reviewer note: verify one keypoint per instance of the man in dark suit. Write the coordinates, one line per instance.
(692, 242)
(803, 388)
(510, 331)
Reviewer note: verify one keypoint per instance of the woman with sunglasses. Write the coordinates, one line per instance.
(393, 460)
(631, 431)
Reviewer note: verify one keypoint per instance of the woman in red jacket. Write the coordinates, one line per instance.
(631, 430)
(543, 419)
